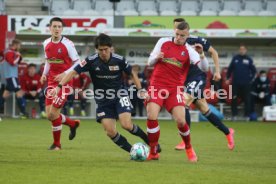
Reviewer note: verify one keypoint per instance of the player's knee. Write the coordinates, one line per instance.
(111, 133)
(51, 116)
(180, 121)
(152, 115)
(127, 125)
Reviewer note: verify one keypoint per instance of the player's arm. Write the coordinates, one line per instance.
(44, 75)
(156, 54)
(13, 58)
(196, 59)
(215, 57)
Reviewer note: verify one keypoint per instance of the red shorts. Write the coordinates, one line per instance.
(167, 97)
(60, 99)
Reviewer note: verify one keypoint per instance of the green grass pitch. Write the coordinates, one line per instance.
(93, 158)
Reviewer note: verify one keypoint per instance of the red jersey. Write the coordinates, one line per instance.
(81, 81)
(172, 70)
(31, 83)
(60, 56)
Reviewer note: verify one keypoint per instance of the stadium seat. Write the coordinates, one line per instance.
(126, 7)
(189, 8)
(210, 8)
(167, 8)
(103, 5)
(57, 7)
(147, 7)
(90, 13)
(82, 5)
(2, 7)
(251, 8)
(71, 12)
(270, 9)
(230, 8)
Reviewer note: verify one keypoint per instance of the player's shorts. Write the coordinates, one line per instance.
(167, 97)
(60, 99)
(12, 84)
(112, 110)
(196, 87)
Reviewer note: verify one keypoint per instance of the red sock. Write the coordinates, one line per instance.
(184, 132)
(56, 129)
(153, 135)
(67, 121)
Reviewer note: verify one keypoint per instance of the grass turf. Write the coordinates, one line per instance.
(93, 158)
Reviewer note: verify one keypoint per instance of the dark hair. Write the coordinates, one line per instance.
(31, 65)
(242, 45)
(183, 26)
(56, 19)
(262, 72)
(15, 42)
(179, 20)
(103, 40)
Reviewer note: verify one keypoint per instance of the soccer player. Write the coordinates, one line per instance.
(12, 58)
(80, 83)
(106, 70)
(171, 58)
(60, 54)
(195, 84)
(32, 88)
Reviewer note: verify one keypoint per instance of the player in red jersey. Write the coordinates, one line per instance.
(80, 83)
(60, 54)
(32, 88)
(172, 59)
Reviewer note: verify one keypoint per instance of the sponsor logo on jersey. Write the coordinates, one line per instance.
(183, 53)
(114, 68)
(97, 69)
(83, 63)
(55, 61)
(59, 50)
(173, 61)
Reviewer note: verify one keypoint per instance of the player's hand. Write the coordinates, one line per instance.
(160, 55)
(33, 93)
(216, 76)
(199, 48)
(227, 82)
(261, 95)
(59, 77)
(43, 79)
(143, 94)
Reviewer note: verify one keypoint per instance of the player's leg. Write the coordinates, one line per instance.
(126, 123)
(21, 103)
(83, 105)
(53, 115)
(153, 129)
(70, 102)
(41, 99)
(202, 105)
(109, 125)
(234, 102)
(188, 98)
(5, 95)
(178, 113)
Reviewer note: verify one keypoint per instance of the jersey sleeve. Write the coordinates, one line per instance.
(126, 67)
(83, 66)
(205, 43)
(157, 49)
(193, 55)
(73, 54)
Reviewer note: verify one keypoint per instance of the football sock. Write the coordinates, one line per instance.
(188, 117)
(184, 132)
(121, 142)
(83, 104)
(56, 128)
(21, 104)
(140, 133)
(216, 122)
(67, 121)
(153, 135)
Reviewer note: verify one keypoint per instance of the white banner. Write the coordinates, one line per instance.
(74, 25)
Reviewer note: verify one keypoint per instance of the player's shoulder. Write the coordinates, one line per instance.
(165, 39)
(92, 57)
(196, 39)
(47, 41)
(117, 57)
(67, 41)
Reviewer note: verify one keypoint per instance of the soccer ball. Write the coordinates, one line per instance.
(139, 152)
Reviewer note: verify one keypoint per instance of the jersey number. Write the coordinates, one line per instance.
(125, 102)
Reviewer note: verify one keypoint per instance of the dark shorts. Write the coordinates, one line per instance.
(113, 110)
(12, 84)
(195, 88)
